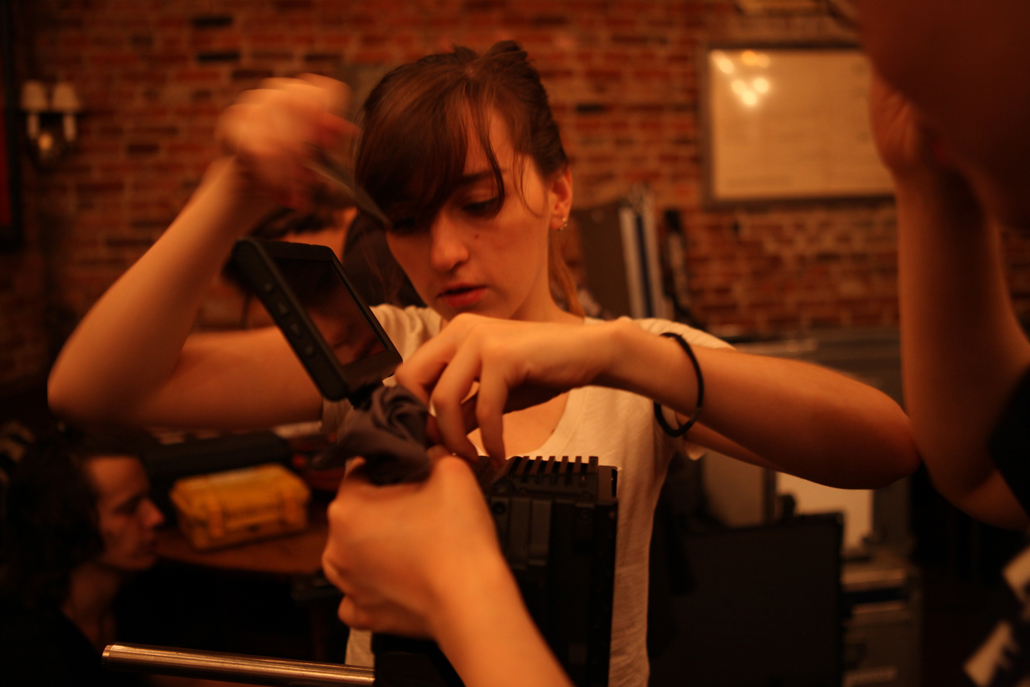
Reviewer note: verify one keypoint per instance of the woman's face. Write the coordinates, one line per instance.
(127, 518)
(469, 260)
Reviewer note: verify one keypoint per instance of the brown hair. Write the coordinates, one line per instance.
(412, 173)
(49, 515)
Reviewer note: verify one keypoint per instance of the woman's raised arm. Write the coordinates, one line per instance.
(962, 348)
(131, 359)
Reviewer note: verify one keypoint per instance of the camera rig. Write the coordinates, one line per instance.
(556, 520)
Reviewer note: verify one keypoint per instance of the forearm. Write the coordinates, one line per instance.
(801, 418)
(489, 637)
(129, 343)
(962, 347)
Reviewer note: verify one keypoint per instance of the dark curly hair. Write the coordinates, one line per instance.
(50, 519)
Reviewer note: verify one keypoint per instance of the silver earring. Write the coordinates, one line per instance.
(564, 224)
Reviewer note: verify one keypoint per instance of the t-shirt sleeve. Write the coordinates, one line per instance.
(1009, 443)
(694, 337)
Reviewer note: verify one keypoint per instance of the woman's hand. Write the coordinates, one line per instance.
(412, 555)
(132, 360)
(507, 364)
(423, 560)
(273, 131)
(918, 158)
(900, 139)
(905, 143)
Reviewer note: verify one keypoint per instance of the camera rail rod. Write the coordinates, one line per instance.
(232, 667)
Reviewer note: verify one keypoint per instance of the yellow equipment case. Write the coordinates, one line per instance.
(237, 506)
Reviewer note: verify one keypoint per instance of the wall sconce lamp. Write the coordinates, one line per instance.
(44, 113)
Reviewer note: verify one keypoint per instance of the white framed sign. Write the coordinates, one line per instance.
(789, 123)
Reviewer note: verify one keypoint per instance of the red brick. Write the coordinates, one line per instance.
(638, 55)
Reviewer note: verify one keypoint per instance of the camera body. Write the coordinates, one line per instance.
(557, 520)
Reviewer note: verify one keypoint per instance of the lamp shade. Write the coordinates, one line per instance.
(65, 99)
(33, 96)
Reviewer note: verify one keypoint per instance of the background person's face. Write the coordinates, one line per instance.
(127, 518)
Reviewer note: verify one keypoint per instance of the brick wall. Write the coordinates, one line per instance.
(24, 340)
(623, 80)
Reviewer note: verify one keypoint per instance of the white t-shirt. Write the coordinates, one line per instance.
(619, 428)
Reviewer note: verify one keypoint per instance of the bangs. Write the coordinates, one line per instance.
(415, 143)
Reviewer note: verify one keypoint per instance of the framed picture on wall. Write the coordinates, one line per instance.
(788, 123)
(10, 186)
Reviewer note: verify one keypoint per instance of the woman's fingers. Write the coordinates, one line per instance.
(468, 414)
(352, 616)
(421, 371)
(507, 365)
(335, 100)
(455, 385)
(273, 130)
(380, 617)
(490, 404)
(331, 569)
(443, 377)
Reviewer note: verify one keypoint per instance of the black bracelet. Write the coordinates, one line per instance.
(682, 429)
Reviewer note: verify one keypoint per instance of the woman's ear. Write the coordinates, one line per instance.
(560, 197)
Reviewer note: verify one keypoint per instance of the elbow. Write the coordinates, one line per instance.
(886, 467)
(73, 403)
(898, 456)
(990, 503)
(982, 493)
(900, 466)
(891, 440)
(880, 451)
(902, 455)
(65, 402)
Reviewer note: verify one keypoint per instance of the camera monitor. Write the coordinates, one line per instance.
(307, 293)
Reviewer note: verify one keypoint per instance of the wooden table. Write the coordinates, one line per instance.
(296, 558)
(292, 554)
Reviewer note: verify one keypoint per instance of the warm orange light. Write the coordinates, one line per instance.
(723, 63)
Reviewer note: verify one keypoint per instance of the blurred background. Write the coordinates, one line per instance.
(796, 259)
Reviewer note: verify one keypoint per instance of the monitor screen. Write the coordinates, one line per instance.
(334, 334)
(336, 314)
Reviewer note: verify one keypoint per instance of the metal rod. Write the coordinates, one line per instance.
(256, 670)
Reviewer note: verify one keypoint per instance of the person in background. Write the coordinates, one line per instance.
(77, 526)
(462, 153)
(78, 523)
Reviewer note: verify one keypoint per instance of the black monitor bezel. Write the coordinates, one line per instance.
(255, 260)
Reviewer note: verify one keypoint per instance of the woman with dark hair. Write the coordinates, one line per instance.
(78, 523)
(462, 153)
